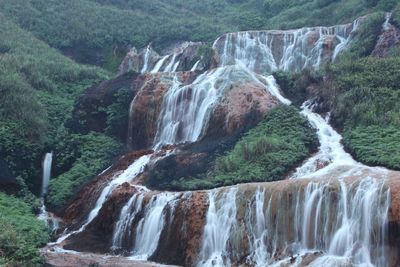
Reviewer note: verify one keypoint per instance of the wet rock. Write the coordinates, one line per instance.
(78, 208)
(146, 107)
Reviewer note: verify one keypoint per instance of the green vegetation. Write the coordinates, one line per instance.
(21, 234)
(267, 152)
(366, 37)
(38, 87)
(90, 153)
(95, 31)
(365, 103)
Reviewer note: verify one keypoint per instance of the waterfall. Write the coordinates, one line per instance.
(186, 109)
(331, 152)
(128, 214)
(150, 226)
(159, 64)
(130, 173)
(48, 158)
(386, 24)
(172, 64)
(221, 217)
(195, 65)
(146, 59)
(346, 223)
(292, 50)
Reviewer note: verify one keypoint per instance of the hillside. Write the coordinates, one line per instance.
(209, 114)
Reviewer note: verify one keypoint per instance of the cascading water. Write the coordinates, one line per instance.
(146, 59)
(186, 109)
(221, 217)
(130, 173)
(149, 228)
(128, 213)
(331, 152)
(46, 167)
(159, 64)
(340, 223)
(46, 172)
(292, 50)
(337, 222)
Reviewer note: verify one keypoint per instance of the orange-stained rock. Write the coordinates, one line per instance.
(85, 199)
(242, 107)
(146, 107)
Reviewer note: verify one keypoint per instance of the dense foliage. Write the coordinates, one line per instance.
(366, 101)
(93, 31)
(38, 87)
(21, 233)
(267, 152)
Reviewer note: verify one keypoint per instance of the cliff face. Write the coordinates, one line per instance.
(338, 211)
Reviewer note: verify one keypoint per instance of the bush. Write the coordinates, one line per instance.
(21, 233)
(90, 154)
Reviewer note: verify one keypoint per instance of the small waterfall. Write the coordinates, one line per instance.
(172, 65)
(48, 158)
(130, 173)
(331, 152)
(186, 109)
(273, 88)
(150, 226)
(195, 65)
(146, 59)
(386, 24)
(159, 64)
(128, 214)
(221, 217)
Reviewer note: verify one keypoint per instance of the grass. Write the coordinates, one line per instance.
(21, 233)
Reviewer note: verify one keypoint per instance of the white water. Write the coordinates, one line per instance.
(347, 224)
(331, 152)
(170, 67)
(128, 214)
(186, 109)
(386, 24)
(48, 158)
(195, 65)
(130, 173)
(221, 217)
(159, 64)
(292, 50)
(146, 59)
(150, 226)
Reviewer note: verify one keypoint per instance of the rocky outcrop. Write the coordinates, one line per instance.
(389, 38)
(90, 113)
(243, 106)
(76, 211)
(181, 56)
(146, 106)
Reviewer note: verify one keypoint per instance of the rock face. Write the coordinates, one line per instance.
(85, 199)
(146, 106)
(241, 108)
(89, 111)
(292, 50)
(389, 38)
(180, 57)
